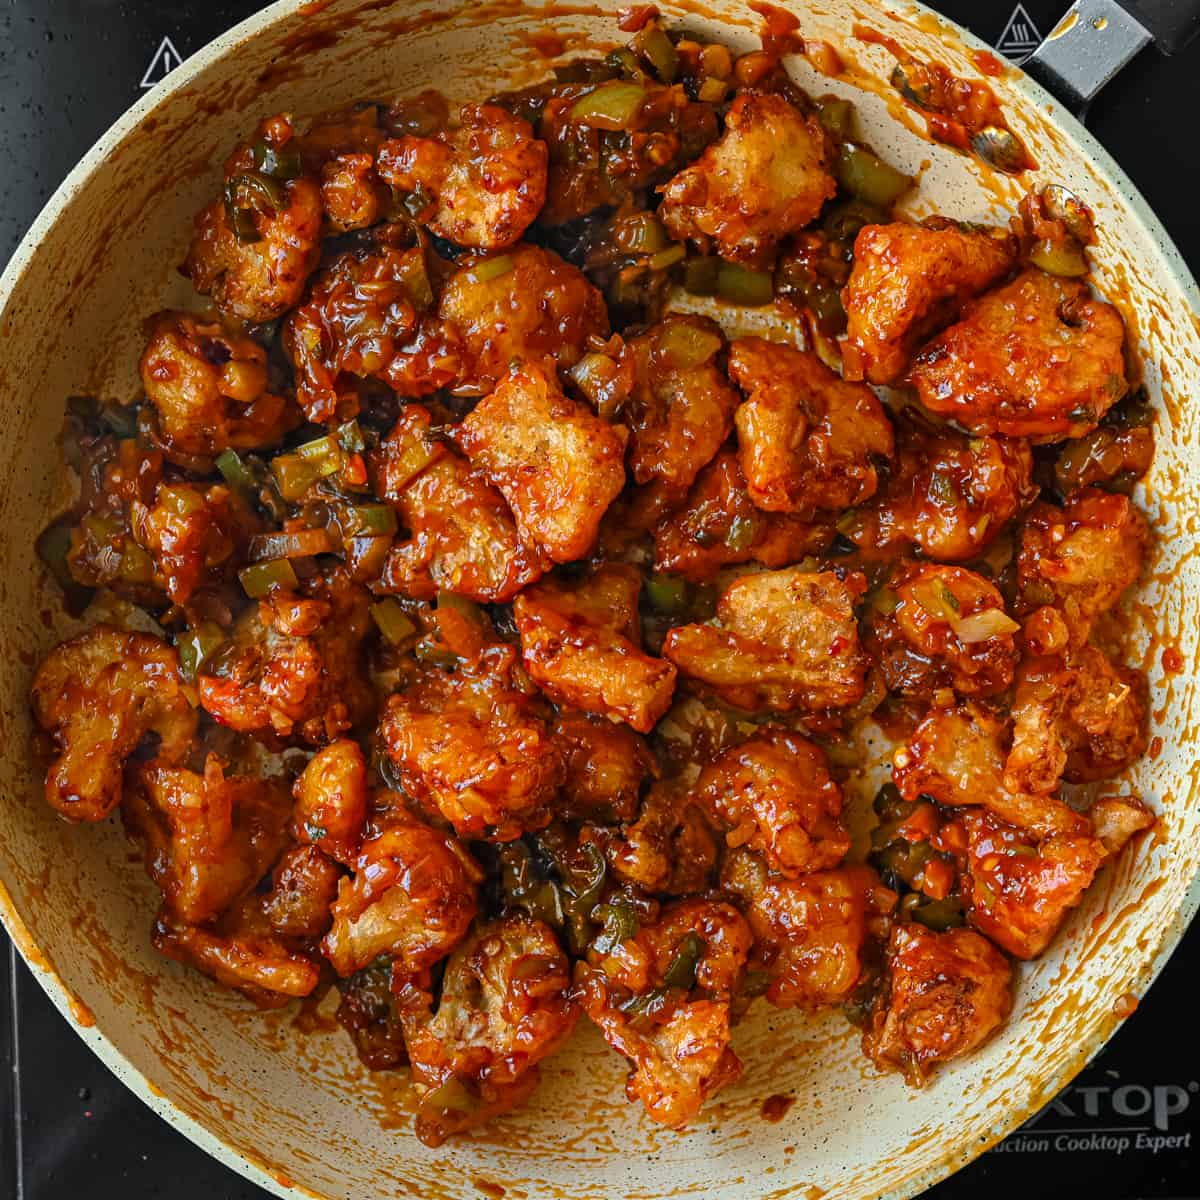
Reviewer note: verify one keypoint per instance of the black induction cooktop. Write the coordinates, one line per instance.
(1125, 1130)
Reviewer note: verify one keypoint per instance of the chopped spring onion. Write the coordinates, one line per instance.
(983, 625)
(652, 43)
(641, 233)
(700, 275)
(296, 543)
(492, 268)
(682, 971)
(867, 176)
(936, 599)
(393, 622)
(235, 473)
(263, 578)
(370, 520)
(613, 105)
(350, 437)
(667, 258)
(322, 449)
(197, 646)
(741, 285)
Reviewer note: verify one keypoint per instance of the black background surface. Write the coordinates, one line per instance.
(1125, 1130)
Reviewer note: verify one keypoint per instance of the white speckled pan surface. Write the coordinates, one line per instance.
(296, 1112)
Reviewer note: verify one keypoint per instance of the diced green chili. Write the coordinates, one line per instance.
(613, 105)
(370, 520)
(235, 473)
(624, 60)
(292, 543)
(741, 285)
(620, 924)
(53, 546)
(868, 177)
(682, 971)
(700, 275)
(667, 593)
(652, 43)
(263, 578)
(641, 233)
(583, 877)
(196, 646)
(742, 533)
(836, 115)
(939, 915)
(393, 622)
(279, 162)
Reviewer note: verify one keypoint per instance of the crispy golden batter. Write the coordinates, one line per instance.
(412, 896)
(526, 305)
(1116, 819)
(787, 639)
(207, 839)
(98, 695)
(605, 765)
(483, 184)
(936, 627)
(581, 643)
(944, 995)
(557, 464)
(1037, 358)
(949, 494)
(807, 440)
(331, 800)
(774, 795)
(304, 887)
(462, 535)
(811, 934)
(719, 525)
(258, 280)
(372, 1015)
(766, 177)
(351, 193)
(473, 748)
(505, 1005)
(209, 388)
(909, 281)
(681, 407)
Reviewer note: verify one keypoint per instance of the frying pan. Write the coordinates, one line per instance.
(293, 1110)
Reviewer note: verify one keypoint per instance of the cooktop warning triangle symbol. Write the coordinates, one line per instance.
(1020, 37)
(166, 59)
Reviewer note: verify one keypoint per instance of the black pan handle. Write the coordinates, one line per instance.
(1098, 37)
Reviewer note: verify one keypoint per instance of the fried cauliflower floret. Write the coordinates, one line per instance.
(462, 535)
(98, 695)
(1116, 819)
(811, 934)
(210, 389)
(505, 1005)
(331, 800)
(242, 952)
(908, 282)
(358, 321)
(1082, 557)
(474, 749)
(774, 794)
(557, 464)
(786, 640)
(1038, 358)
(662, 999)
(581, 643)
(412, 896)
(484, 183)
(807, 440)
(941, 627)
(304, 886)
(605, 766)
(371, 1014)
(1077, 716)
(681, 407)
(956, 757)
(944, 995)
(719, 525)
(767, 176)
(669, 848)
(207, 839)
(351, 193)
(526, 307)
(261, 277)
(1020, 889)
(949, 494)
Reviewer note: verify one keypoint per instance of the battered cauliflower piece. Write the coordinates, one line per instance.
(909, 281)
(557, 464)
(949, 494)
(1077, 716)
(292, 668)
(1082, 557)
(681, 408)
(462, 535)
(807, 440)
(944, 995)
(304, 886)
(412, 896)
(483, 184)
(767, 176)
(812, 934)
(207, 839)
(505, 1005)
(98, 695)
(526, 305)
(260, 277)
(581, 643)
(474, 749)
(936, 627)
(209, 388)
(786, 640)
(1038, 358)
(1021, 890)
(774, 794)
(719, 525)
(331, 800)
(1116, 819)
(605, 767)
(372, 1015)
(351, 193)
(956, 757)
(662, 999)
